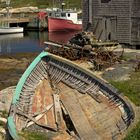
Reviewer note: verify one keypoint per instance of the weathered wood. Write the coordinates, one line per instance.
(79, 119)
(65, 46)
(32, 119)
(40, 115)
(15, 20)
(57, 109)
(52, 43)
(119, 19)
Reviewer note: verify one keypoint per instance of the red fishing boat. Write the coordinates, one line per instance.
(60, 20)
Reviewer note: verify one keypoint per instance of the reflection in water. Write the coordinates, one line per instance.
(31, 41)
(11, 36)
(61, 37)
(7, 39)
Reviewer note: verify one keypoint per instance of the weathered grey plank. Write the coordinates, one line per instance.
(77, 115)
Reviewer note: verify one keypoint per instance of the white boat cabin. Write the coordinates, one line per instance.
(68, 15)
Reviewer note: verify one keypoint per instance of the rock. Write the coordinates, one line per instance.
(120, 72)
(3, 120)
(6, 98)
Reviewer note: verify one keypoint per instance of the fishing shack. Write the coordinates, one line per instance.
(113, 20)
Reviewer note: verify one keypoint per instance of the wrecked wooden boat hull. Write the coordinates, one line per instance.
(53, 88)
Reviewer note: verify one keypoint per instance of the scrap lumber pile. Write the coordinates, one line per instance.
(84, 45)
(104, 57)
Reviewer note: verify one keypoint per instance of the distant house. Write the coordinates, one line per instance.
(113, 19)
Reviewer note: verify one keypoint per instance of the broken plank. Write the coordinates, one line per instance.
(77, 115)
(57, 109)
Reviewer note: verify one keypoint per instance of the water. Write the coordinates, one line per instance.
(30, 41)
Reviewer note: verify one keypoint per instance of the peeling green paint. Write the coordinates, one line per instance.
(25, 76)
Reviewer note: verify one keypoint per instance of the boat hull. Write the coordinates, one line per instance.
(11, 30)
(56, 24)
(84, 97)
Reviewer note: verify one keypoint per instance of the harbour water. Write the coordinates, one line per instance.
(30, 41)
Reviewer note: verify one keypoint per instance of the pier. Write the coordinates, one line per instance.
(15, 20)
(29, 20)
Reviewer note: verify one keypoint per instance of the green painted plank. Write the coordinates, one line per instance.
(12, 128)
(25, 76)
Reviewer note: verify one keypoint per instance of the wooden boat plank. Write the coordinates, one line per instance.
(42, 98)
(57, 110)
(78, 117)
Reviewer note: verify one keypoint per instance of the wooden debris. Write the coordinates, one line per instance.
(40, 115)
(32, 119)
(85, 46)
(57, 109)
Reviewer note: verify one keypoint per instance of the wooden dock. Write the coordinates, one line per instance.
(14, 20)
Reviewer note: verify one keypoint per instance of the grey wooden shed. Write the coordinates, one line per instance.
(113, 19)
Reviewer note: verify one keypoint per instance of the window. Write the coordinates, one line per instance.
(57, 15)
(105, 1)
(63, 14)
(68, 14)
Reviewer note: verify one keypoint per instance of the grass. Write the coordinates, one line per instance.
(20, 56)
(134, 134)
(29, 135)
(4, 114)
(43, 3)
(126, 57)
(130, 88)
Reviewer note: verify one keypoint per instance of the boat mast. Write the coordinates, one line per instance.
(62, 5)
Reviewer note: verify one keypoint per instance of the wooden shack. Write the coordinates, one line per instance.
(113, 20)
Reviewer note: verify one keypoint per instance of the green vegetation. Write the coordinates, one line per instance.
(130, 88)
(44, 3)
(134, 134)
(2, 124)
(29, 135)
(3, 114)
(126, 57)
